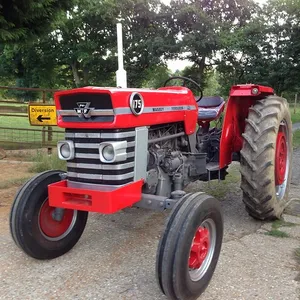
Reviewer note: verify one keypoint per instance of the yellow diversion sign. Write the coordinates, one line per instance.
(42, 114)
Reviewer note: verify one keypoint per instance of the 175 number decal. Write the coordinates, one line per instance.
(136, 103)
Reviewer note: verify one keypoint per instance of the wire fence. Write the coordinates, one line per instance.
(28, 138)
(15, 129)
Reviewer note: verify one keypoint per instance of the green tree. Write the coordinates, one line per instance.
(241, 60)
(21, 20)
(146, 38)
(266, 50)
(199, 25)
(155, 76)
(83, 40)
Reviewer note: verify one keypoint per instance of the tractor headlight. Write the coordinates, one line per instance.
(113, 151)
(65, 150)
(108, 153)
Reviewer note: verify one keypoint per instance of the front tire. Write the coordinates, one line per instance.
(189, 249)
(266, 158)
(32, 225)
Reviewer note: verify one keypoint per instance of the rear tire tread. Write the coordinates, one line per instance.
(258, 157)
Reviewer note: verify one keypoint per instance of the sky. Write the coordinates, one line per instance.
(174, 65)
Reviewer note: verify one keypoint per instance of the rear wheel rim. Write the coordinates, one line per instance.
(54, 230)
(202, 249)
(281, 160)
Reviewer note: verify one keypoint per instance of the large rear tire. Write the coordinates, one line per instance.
(32, 225)
(266, 158)
(189, 249)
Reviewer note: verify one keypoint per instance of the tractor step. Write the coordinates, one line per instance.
(213, 166)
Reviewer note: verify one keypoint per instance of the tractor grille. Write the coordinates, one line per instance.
(99, 106)
(86, 168)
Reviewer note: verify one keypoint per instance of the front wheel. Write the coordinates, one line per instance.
(189, 249)
(33, 224)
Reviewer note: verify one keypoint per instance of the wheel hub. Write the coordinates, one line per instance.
(49, 226)
(199, 249)
(280, 158)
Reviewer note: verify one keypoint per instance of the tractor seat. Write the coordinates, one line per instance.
(210, 101)
(209, 108)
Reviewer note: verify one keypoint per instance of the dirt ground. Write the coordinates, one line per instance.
(115, 258)
(14, 171)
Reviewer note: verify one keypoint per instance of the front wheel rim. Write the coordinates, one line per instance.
(282, 162)
(202, 249)
(51, 229)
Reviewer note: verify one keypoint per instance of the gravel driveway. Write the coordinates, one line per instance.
(115, 258)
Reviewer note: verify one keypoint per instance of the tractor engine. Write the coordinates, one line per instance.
(170, 165)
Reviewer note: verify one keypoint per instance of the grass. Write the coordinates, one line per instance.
(296, 138)
(295, 116)
(220, 189)
(275, 231)
(15, 122)
(44, 162)
(13, 182)
(281, 223)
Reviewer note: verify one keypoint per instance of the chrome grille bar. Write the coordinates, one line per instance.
(100, 176)
(101, 166)
(95, 112)
(102, 135)
(96, 145)
(96, 156)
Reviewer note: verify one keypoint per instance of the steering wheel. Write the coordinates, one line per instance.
(184, 80)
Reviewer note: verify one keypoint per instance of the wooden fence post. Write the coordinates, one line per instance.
(44, 128)
(49, 140)
(296, 96)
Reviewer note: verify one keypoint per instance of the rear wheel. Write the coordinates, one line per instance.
(266, 158)
(34, 226)
(189, 249)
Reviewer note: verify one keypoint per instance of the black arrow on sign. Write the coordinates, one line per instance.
(41, 118)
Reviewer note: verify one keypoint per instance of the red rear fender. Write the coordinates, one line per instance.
(241, 98)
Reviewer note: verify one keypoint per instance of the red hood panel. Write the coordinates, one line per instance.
(165, 105)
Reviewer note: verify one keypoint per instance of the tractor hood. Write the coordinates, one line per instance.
(97, 107)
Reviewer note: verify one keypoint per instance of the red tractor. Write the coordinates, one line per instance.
(142, 147)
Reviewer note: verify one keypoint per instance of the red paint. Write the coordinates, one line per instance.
(280, 157)
(199, 248)
(240, 100)
(51, 227)
(243, 90)
(169, 96)
(106, 202)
